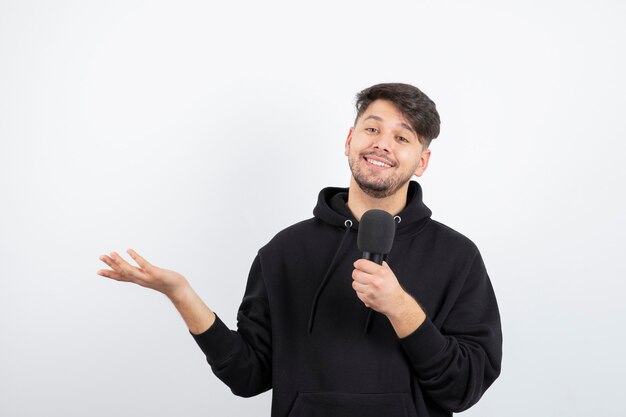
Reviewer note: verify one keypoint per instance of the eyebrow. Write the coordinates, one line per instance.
(401, 124)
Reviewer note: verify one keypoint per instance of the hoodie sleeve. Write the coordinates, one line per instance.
(457, 363)
(242, 358)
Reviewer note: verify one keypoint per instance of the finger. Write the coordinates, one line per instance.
(110, 274)
(361, 277)
(368, 266)
(121, 262)
(110, 262)
(363, 299)
(359, 288)
(126, 268)
(140, 260)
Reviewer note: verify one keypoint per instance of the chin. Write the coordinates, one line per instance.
(380, 189)
(374, 189)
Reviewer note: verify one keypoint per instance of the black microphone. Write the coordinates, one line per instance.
(376, 232)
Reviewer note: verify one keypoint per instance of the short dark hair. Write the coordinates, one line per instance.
(419, 110)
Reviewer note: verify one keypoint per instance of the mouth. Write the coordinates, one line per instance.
(377, 162)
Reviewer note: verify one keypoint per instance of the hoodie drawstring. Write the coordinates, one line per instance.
(320, 288)
(348, 224)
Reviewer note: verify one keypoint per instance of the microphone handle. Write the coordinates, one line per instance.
(374, 257)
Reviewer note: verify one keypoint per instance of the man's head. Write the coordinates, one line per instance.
(388, 143)
(418, 110)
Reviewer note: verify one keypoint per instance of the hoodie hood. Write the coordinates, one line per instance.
(331, 208)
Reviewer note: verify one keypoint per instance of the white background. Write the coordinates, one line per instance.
(194, 131)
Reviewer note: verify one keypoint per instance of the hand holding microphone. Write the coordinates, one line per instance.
(373, 280)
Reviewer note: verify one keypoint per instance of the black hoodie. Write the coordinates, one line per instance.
(302, 331)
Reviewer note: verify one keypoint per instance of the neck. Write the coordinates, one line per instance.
(359, 202)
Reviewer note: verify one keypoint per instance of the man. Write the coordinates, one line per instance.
(304, 328)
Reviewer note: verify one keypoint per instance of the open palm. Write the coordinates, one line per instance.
(146, 275)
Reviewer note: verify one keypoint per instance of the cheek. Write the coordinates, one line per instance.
(405, 158)
(411, 158)
(353, 151)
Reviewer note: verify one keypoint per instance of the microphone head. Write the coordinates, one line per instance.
(376, 232)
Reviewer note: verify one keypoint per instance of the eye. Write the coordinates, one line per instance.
(403, 139)
(371, 129)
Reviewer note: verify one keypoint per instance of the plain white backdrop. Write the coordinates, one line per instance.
(194, 131)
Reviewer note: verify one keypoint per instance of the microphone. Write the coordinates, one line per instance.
(376, 232)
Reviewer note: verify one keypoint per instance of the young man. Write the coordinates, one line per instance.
(304, 326)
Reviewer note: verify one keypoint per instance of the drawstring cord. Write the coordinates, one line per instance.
(348, 224)
(320, 288)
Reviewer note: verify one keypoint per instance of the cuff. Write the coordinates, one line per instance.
(424, 344)
(216, 342)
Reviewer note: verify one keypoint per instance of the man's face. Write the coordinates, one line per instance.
(383, 150)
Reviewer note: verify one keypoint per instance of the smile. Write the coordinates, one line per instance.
(377, 163)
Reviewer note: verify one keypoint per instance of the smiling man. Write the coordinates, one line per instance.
(434, 345)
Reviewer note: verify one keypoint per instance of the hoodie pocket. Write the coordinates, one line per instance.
(337, 404)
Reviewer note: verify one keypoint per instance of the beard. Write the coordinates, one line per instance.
(373, 185)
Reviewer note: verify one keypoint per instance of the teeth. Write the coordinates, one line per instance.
(378, 163)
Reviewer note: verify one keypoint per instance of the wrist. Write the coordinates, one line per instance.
(400, 308)
(407, 317)
(179, 293)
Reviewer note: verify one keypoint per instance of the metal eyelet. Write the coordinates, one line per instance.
(348, 223)
(398, 219)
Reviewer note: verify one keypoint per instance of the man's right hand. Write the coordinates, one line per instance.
(147, 275)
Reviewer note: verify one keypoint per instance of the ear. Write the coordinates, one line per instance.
(346, 151)
(424, 158)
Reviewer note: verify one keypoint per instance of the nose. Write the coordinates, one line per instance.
(383, 141)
